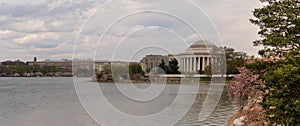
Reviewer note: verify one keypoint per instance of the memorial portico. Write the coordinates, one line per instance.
(197, 57)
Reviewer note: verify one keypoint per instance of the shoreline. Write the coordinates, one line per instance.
(147, 82)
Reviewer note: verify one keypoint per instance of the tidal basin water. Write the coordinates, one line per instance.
(53, 102)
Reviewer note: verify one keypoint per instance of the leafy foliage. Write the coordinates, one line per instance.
(119, 72)
(106, 69)
(163, 66)
(135, 68)
(279, 22)
(21, 69)
(173, 67)
(234, 60)
(207, 70)
(282, 92)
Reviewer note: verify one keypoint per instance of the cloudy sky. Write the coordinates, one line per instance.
(121, 29)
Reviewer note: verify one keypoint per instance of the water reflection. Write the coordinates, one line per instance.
(53, 101)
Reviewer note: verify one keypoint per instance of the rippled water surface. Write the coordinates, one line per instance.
(53, 102)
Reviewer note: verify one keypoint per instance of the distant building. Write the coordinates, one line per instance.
(63, 64)
(196, 58)
(100, 64)
(152, 61)
(83, 64)
(77, 65)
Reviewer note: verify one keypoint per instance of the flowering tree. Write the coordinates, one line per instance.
(246, 88)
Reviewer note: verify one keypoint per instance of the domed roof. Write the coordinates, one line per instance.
(201, 47)
(202, 44)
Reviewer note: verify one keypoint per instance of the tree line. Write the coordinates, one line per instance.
(268, 90)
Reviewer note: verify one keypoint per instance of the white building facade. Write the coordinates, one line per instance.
(198, 56)
(195, 59)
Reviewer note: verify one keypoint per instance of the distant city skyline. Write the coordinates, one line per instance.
(48, 29)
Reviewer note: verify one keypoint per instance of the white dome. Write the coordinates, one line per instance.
(202, 44)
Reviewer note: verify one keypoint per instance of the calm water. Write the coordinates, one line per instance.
(53, 102)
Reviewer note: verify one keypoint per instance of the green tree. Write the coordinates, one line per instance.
(282, 83)
(119, 72)
(135, 68)
(173, 67)
(207, 71)
(279, 22)
(36, 68)
(234, 60)
(163, 66)
(20, 69)
(148, 70)
(106, 69)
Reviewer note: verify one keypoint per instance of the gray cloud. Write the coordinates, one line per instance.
(48, 29)
(21, 10)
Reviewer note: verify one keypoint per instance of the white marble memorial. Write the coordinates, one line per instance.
(197, 57)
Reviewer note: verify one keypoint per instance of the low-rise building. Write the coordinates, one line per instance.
(100, 64)
(65, 65)
(151, 61)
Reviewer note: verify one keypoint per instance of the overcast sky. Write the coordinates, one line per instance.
(121, 29)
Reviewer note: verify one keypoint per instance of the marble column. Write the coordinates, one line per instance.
(207, 63)
(184, 63)
(195, 65)
(186, 67)
(199, 61)
(211, 61)
(187, 64)
(205, 59)
(203, 63)
(179, 63)
(190, 64)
